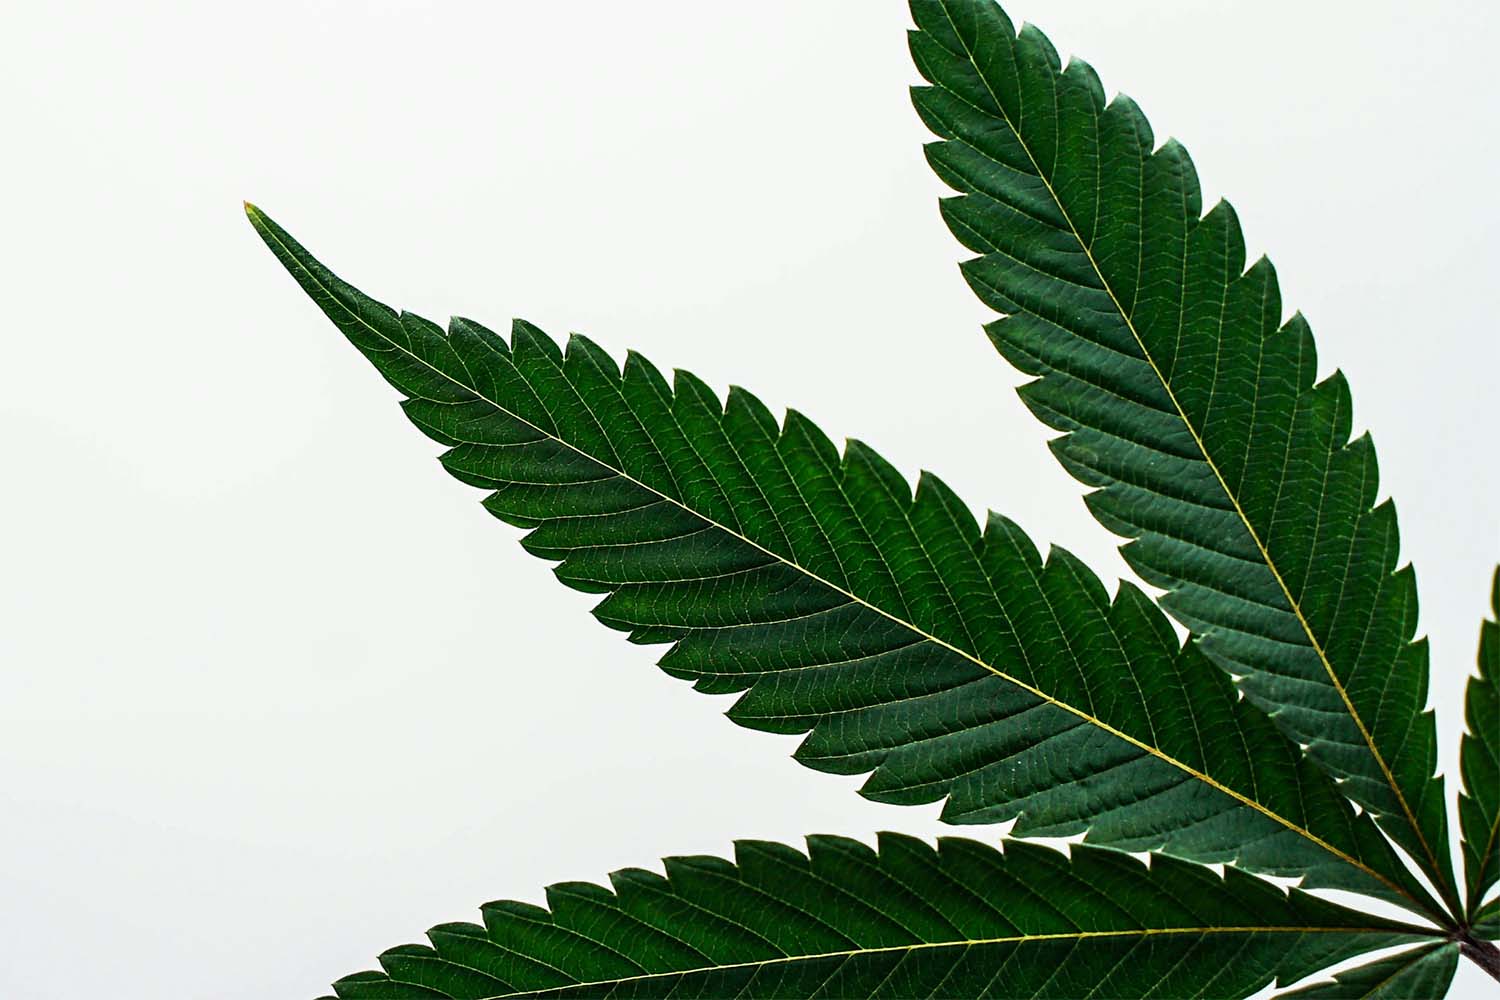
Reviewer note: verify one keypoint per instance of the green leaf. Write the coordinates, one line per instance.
(1486, 923)
(1411, 975)
(945, 661)
(963, 920)
(1479, 763)
(1187, 403)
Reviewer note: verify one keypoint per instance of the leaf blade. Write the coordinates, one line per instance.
(1479, 764)
(906, 920)
(1486, 923)
(1419, 974)
(1194, 417)
(770, 582)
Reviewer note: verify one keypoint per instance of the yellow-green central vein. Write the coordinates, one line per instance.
(1140, 932)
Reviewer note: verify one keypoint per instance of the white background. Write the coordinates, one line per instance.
(276, 693)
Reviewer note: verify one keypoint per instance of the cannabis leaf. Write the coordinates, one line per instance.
(1188, 403)
(1486, 922)
(1420, 972)
(1479, 762)
(953, 662)
(945, 660)
(843, 920)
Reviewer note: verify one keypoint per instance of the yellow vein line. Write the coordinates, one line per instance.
(1489, 843)
(1487, 859)
(258, 220)
(1208, 458)
(1487, 856)
(1140, 932)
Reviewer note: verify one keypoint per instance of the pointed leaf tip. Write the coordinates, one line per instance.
(262, 222)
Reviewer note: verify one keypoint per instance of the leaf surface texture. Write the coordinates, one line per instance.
(1418, 974)
(908, 921)
(1479, 763)
(1486, 922)
(1187, 403)
(945, 660)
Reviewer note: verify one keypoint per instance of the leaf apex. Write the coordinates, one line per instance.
(257, 218)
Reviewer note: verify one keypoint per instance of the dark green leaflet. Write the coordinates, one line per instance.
(1411, 975)
(1486, 922)
(1479, 762)
(963, 920)
(1194, 413)
(948, 661)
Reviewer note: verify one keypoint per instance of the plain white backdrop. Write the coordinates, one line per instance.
(276, 693)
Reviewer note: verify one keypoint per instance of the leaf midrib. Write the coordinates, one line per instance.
(1233, 498)
(1488, 857)
(910, 626)
(1487, 860)
(965, 943)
